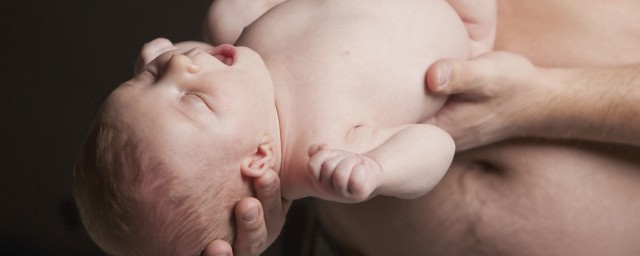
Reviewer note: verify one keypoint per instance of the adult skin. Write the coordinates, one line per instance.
(529, 196)
(525, 196)
(488, 103)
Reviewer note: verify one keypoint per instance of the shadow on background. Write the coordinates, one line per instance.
(58, 61)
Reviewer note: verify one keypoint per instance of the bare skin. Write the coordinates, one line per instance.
(331, 106)
(528, 196)
(335, 99)
(350, 122)
(227, 18)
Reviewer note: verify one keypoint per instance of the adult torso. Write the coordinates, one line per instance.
(526, 196)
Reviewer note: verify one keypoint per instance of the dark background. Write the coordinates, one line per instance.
(58, 61)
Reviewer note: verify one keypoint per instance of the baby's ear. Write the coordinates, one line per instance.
(262, 160)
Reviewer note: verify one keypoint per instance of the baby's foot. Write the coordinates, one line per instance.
(344, 176)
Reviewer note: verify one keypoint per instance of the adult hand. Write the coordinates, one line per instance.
(495, 96)
(258, 221)
(480, 19)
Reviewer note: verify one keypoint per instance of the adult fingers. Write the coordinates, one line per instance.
(449, 76)
(251, 234)
(470, 77)
(251, 230)
(267, 188)
(218, 248)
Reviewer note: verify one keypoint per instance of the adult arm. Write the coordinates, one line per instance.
(502, 95)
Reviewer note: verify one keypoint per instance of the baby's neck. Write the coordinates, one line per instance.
(287, 150)
(283, 108)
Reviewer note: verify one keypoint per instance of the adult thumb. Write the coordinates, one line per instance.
(452, 76)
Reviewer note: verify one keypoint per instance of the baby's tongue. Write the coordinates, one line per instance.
(226, 53)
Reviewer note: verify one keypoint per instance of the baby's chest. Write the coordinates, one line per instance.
(372, 100)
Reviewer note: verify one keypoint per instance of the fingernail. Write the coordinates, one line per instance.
(251, 216)
(444, 76)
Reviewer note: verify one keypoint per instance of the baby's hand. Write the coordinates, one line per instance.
(344, 176)
(151, 50)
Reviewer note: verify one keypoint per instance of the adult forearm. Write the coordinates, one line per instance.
(502, 95)
(601, 104)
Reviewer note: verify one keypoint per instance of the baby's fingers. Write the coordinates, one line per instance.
(317, 160)
(316, 147)
(329, 166)
(151, 50)
(343, 173)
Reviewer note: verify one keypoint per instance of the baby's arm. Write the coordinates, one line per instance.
(480, 20)
(227, 18)
(409, 161)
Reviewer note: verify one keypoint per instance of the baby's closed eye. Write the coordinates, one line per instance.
(197, 99)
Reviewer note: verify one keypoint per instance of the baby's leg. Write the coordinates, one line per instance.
(227, 18)
(343, 176)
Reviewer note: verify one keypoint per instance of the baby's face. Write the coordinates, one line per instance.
(191, 105)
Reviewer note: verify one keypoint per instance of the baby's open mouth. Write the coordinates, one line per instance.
(226, 53)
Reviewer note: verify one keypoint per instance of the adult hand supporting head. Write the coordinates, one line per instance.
(258, 223)
(493, 97)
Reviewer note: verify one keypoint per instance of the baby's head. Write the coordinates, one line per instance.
(169, 152)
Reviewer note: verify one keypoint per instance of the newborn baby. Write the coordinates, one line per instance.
(334, 102)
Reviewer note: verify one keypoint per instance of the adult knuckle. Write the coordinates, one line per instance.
(256, 248)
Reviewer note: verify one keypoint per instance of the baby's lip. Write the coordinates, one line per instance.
(226, 53)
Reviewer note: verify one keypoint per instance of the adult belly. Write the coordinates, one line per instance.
(571, 33)
(523, 197)
(514, 198)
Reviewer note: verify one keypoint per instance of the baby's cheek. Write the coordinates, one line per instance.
(242, 186)
(246, 187)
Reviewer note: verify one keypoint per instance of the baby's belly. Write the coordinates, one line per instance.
(524, 198)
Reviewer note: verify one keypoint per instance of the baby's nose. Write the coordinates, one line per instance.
(181, 64)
